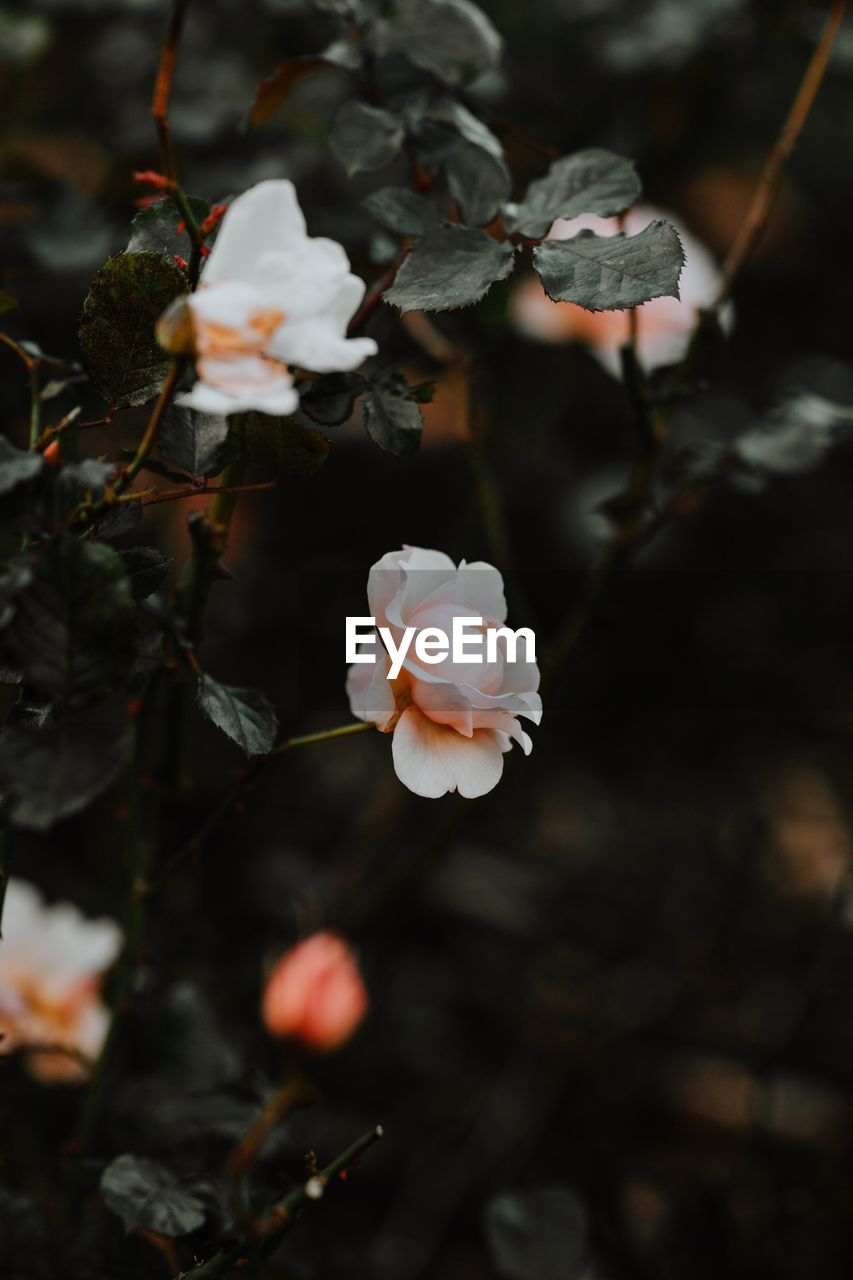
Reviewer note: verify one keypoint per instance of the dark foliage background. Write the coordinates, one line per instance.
(628, 972)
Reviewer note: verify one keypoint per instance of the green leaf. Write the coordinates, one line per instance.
(541, 1233)
(392, 415)
(478, 181)
(593, 181)
(146, 1194)
(17, 466)
(282, 446)
(55, 771)
(795, 435)
(609, 273)
(196, 442)
(147, 569)
(330, 399)
(402, 211)
(73, 628)
(450, 267)
(126, 298)
(244, 715)
(365, 137)
(155, 228)
(452, 39)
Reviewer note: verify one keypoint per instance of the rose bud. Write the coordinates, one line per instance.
(315, 994)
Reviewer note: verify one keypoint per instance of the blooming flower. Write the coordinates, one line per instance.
(51, 963)
(315, 994)
(664, 325)
(451, 722)
(270, 297)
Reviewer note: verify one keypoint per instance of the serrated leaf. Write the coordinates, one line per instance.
(331, 398)
(73, 628)
(450, 267)
(392, 415)
(795, 435)
(365, 137)
(196, 442)
(155, 228)
(17, 466)
(541, 1233)
(147, 569)
(452, 39)
(126, 298)
(146, 1194)
(402, 210)
(610, 273)
(244, 715)
(478, 181)
(51, 772)
(282, 445)
(592, 181)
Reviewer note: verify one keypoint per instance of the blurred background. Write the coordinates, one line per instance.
(627, 973)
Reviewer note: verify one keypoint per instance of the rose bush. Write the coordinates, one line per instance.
(452, 723)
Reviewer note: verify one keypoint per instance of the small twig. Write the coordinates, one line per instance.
(765, 191)
(374, 295)
(292, 1094)
(283, 1213)
(5, 870)
(163, 85)
(152, 496)
(194, 846)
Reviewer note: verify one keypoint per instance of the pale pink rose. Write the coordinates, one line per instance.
(52, 960)
(664, 325)
(452, 722)
(270, 298)
(315, 994)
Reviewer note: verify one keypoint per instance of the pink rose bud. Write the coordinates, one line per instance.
(315, 994)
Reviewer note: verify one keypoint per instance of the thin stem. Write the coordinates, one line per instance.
(194, 846)
(765, 191)
(35, 404)
(163, 85)
(5, 870)
(293, 1093)
(151, 497)
(283, 1213)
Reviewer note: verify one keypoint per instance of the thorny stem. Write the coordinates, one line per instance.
(641, 522)
(283, 1213)
(194, 846)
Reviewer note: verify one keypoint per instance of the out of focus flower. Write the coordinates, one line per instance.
(315, 994)
(271, 297)
(51, 963)
(664, 325)
(451, 722)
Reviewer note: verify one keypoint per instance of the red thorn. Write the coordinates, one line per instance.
(205, 252)
(151, 178)
(51, 454)
(216, 212)
(182, 262)
(133, 707)
(181, 227)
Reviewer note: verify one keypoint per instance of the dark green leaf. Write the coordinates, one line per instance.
(402, 211)
(795, 435)
(539, 1233)
(282, 445)
(197, 442)
(609, 273)
(146, 1194)
(52, 772)
(392, 415)
(593, 181)
(155, 228)
(452, 39)
(17, 466)
(478, 181)
(450, 267)
(244, 715)
(146, 568)
(365, 137)
(330, 399)
(126, 298)
(73, 628)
